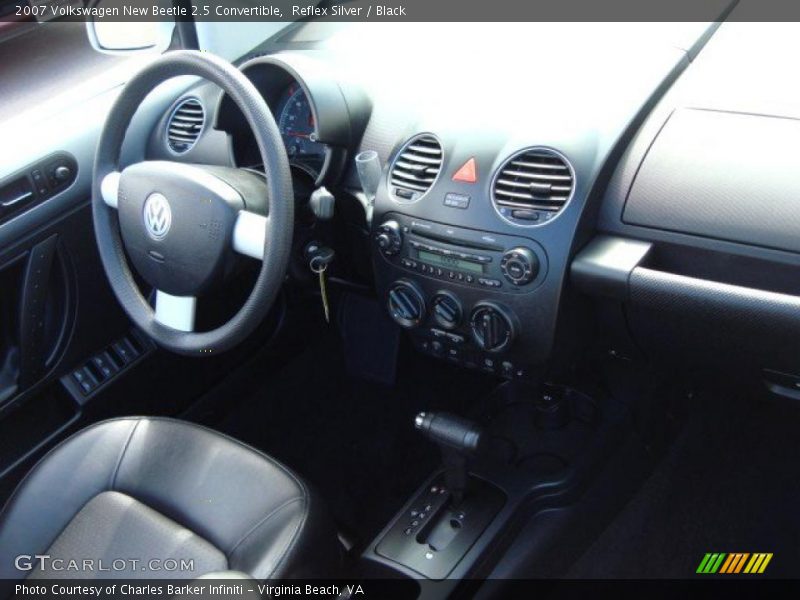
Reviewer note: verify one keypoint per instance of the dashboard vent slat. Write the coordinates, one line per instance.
(425, 159)
(416, 167)
(533, 186)
(185, 125)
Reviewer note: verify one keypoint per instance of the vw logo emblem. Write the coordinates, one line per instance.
(157, 216)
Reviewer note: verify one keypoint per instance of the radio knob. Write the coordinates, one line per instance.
(446, 310)
(406, 304)
(519, 265)
(389, 238)
(491, 327)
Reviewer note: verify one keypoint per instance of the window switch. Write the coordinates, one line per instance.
(104, 365)
(84, 380)
(123, 349)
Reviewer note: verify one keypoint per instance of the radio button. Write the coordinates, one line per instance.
(492, 283)
(389, 238)
(516, 270)
(519, 266)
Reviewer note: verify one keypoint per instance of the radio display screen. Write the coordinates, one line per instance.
(451, 262)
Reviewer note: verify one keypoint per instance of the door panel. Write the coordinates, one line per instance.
(56, 307)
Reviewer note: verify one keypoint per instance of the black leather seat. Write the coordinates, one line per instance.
(160, 489)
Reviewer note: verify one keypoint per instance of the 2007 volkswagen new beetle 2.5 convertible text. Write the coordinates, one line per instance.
(411, 300)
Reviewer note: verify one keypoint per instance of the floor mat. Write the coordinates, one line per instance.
(352, 439)
(731, 483)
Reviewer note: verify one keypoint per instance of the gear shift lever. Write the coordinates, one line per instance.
(459, 439)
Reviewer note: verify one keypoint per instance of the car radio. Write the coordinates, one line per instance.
(463, 256)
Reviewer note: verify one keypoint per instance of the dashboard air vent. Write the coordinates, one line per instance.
(416, 168)
(184, 125)
(533, 186)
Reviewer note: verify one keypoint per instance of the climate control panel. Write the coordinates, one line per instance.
(464, 296)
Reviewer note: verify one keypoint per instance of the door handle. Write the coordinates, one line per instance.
(16, 200)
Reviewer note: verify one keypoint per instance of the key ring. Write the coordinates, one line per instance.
(317, 270)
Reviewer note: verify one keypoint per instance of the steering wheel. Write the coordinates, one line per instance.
(183, 225)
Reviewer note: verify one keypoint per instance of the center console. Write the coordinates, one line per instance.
(463, 294)
(516, 464)
(471, 238)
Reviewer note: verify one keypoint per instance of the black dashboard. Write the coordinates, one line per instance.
(502, 196)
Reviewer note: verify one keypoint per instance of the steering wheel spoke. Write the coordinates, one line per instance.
(109, 189)
(249, 234)
(177, 312)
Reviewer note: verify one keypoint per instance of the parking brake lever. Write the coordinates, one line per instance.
(458, 439)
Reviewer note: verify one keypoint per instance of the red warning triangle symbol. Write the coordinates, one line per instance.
(468, 173)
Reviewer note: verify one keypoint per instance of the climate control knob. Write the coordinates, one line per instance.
(519, 265)
(389, 238)
(406, 304)
(491, 327)
(446, 310)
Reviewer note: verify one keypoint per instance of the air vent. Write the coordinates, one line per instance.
(533, 186)
(184, 125)
(416, 168)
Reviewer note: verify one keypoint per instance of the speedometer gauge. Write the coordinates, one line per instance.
(311, 111)
(297, 126)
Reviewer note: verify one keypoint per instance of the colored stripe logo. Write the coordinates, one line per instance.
(734, 563)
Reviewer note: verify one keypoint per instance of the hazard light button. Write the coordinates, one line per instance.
(468, 173)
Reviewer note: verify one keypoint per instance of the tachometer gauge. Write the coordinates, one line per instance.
(297, 126)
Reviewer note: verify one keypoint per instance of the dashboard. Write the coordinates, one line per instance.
(503, 204)
(638, 201)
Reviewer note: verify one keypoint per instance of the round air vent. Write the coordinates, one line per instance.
(416, 168)
(533, 186)
(185, 125)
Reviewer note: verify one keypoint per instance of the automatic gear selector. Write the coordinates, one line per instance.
(443, 521)
(458, 439)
